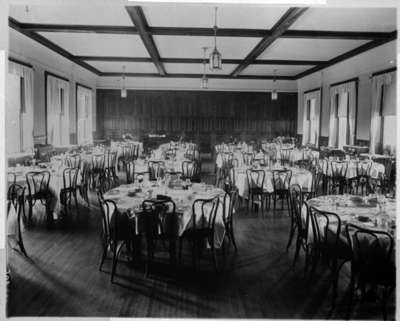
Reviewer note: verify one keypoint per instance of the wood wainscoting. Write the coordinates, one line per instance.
(205, 117)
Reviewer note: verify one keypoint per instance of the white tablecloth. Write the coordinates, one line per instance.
(301, 177)
(183, 199)
(376, 171)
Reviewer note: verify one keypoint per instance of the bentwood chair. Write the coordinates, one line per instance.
(155, 169)
(255, 183)
(204, 212)
(160, 222)
(337, 180)
(130, 172)
(126, 156)
(281, 181)
(386, 181)
(316, 186)
(328, 245)
(372, 262)
(188, 169)
(295, 194)
(248, 158)
(16, 200)
(359, 184)
(303, 239)
(229, 204)
(70, 189)
(110, 164)
(38, 190)
(97, 170)
(83, 185)
(116, 232)
(286, 154)
(73, 160)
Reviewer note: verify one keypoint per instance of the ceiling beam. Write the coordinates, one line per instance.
(137, 16)
(208, 32)
(42, 27)
(181, 75)
(201, 60)
(290, 16)
(354, 52)
(51, 45)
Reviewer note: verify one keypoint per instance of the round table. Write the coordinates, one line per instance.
(376, 169)
(55, 185)
(362, 211)
(300, 176)
(129, 198)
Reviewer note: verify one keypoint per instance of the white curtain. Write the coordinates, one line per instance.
(57, 119)
(26, 119)
(311, 127)
(84, 116)
(379, 83)
(345, 117)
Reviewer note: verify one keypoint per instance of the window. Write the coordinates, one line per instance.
(311, 117)
(84, 115)
(388, 118)
(13, 114)
(343, 114)
(57, 102)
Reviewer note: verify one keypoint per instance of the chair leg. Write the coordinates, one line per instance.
(30, 213)
(103, 256)
(214, 255)
(291, 234)
(232, 237)
(117, 250)
(76, 202)
(114, 263)
(20, 241)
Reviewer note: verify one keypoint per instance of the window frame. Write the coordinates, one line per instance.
(46, 75)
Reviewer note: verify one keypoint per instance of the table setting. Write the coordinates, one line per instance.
(374, 211)
(129, 198)
(300, 176)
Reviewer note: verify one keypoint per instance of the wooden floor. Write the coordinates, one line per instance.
(61, 278)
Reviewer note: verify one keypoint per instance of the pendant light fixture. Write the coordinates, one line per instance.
(204, 79)
(274, 93)
(123, 89)
(215, 56)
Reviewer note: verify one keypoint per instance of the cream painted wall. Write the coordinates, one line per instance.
(361, 66)
(43, 59)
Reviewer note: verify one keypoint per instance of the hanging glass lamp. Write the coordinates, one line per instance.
(215, 56)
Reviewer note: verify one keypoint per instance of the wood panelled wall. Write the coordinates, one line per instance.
(206, 117)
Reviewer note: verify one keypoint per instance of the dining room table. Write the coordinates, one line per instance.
(376, 170)
(300, 176)
(129, 198)
(374, 211)
(56, 183)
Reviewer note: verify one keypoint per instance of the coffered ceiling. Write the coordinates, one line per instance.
(166, 40)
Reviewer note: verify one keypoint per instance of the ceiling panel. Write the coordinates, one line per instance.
(91, 44)
(116, 66)
(267, 70)
(348, 19)
(197, 69)
(190, 47)
(309, 49)
(203, 16)
(72, 14)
